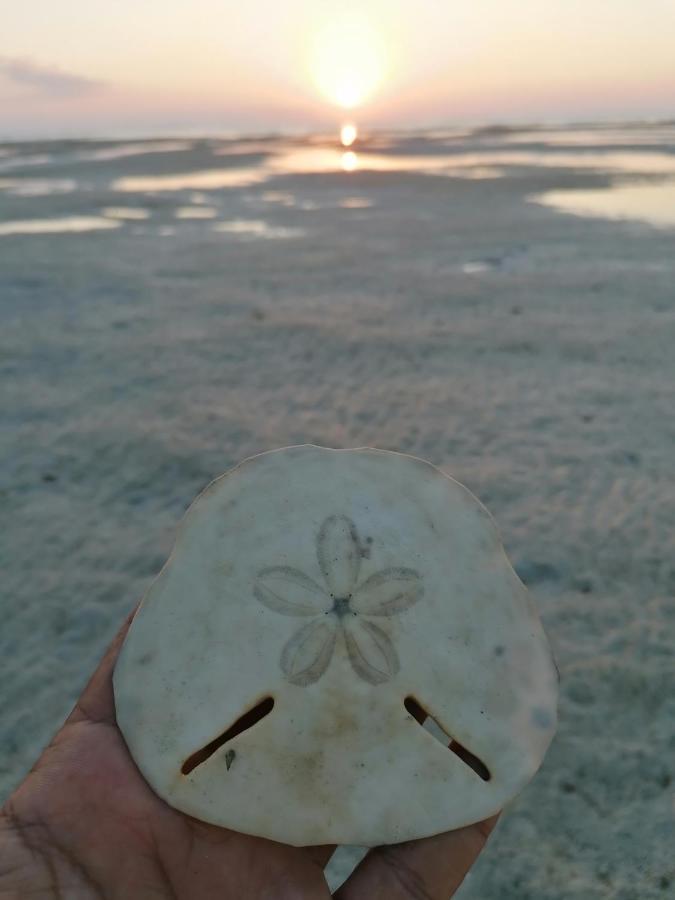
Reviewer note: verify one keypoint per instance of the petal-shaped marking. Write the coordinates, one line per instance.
(388, 592)
(370, 650)
(339, 554)
(290, 592)
(306, 655)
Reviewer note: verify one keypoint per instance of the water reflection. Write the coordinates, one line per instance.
(16, 161)
(489, 155)
(317, 160)
(37, 187)
(284, 198)
(356, 203)
(124, 213)
(205, 179)
(651, 203)
(121, 151)
(349, 161)
(238, 148)
(196, 212)
(468, 164)
(593, 137)
(257, 228)
(68, 224)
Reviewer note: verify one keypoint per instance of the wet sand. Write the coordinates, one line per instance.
(429, 307)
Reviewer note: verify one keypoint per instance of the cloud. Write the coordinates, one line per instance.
(49, 81)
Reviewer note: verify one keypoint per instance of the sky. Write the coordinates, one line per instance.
(91, 68)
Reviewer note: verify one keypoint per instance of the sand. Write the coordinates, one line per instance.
(525, 351)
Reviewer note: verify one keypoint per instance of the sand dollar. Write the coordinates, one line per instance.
(317, 606)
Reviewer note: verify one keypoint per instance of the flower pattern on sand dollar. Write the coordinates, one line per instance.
(343, 608)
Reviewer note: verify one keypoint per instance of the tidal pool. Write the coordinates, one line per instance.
(642, 202)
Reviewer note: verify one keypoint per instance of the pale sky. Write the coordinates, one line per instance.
(90, 67)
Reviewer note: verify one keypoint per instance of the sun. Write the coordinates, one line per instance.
(347, 60)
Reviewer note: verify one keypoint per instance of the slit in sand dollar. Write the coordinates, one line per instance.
(337, 652)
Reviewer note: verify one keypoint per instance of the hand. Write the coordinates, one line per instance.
(84, 825)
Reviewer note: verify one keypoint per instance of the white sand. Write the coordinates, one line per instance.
(528, 353)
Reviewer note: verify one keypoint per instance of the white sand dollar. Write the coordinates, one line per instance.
(317, 604)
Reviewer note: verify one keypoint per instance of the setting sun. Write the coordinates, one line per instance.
(348, 134)
(347, 60)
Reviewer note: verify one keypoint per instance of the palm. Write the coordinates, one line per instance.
(85, 824)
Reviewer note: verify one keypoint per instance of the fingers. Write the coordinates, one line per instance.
(97, 702)
(429, 869)
(320, 854)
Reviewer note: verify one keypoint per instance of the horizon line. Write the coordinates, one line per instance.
(260, 133)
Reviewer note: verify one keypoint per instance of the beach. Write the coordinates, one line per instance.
(500, 302)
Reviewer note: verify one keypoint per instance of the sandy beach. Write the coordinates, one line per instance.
(190, 302)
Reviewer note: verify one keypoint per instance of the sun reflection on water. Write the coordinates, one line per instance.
(349, 161)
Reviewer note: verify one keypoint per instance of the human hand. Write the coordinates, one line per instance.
(85, 825)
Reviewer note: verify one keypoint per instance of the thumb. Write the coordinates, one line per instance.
(97, 701)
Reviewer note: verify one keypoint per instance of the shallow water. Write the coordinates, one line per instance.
(285, 198)
(256, 228)
(595, 137)
(65, 225)
(356, 203)
(130, 213)
(204, 180)
(19, 160)
(488, 155)
(37, 187)
(651, 203)
(487, 163)
(196, 212)
(121, 151)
